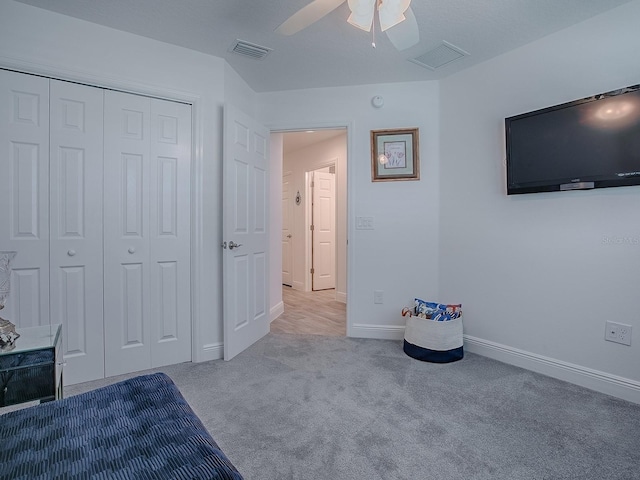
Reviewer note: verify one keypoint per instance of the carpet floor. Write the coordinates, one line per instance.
(308, 407)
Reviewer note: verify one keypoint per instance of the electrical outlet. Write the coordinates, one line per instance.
(624, 334)
(618, 332)
(378, 296)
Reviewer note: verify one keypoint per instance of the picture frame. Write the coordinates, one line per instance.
(394, 155)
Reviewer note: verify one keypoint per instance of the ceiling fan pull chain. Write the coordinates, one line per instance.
(373, 34)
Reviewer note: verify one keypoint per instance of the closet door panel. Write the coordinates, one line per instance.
(169, 215)
(24, 194)
(76, 226)
(126, 233)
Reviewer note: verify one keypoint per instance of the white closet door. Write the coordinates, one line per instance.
(126, 233)
(169, 232)
(147, 242)
(76, 226)
(24, 194)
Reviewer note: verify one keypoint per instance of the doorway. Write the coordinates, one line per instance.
(311, 313)
(314, 232)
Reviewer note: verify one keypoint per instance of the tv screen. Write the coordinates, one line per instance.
(589, 143)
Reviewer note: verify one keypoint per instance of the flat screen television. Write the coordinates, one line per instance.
(589, 143)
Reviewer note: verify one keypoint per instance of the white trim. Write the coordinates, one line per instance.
(100, 81)
(308, 215)
(276, 311)
(351, 258)
(602, 382)
(382, 332)
(341, 297)
(199, 353)
(212, 351)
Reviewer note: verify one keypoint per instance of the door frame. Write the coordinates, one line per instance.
(348, 126)
(199, 353)
(290, 209)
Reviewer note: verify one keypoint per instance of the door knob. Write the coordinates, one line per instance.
(233, 245)
(289, 236)
(71, 253)
(131, 250)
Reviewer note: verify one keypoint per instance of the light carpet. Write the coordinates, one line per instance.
(306, 407)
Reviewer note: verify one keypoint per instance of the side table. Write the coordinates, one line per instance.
(33, 369)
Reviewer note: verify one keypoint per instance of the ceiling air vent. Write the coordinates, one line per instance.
(440, 56)
(250, 50)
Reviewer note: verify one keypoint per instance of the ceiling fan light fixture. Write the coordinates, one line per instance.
(362, 12)
(390, 13)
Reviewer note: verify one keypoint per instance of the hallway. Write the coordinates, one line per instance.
(315, 313)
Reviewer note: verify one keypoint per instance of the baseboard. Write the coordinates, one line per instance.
(276, 311)
(213, 351)
(602, 382)
(382, 332)
(341, 297)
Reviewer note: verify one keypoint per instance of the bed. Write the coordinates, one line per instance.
(141, 428)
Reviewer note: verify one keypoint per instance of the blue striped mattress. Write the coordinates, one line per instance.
(140, 428)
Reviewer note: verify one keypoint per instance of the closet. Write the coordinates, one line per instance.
(95, 198)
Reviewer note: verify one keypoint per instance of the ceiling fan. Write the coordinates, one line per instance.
(395, 17)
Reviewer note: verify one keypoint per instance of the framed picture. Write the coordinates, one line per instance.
(394, 155)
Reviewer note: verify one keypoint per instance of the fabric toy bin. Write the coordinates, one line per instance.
(433, 341)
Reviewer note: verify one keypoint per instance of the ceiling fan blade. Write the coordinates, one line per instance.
(405, 34)
(308, 15)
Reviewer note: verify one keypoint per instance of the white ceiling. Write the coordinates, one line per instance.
(332, 52)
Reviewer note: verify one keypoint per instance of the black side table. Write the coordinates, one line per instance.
(33, 369)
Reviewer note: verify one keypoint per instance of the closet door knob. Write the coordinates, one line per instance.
(71, 253)
(131, 250)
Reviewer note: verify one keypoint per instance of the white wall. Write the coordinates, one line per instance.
(237, 92)
(535, 272)
(314, 157)
(400, 256)
(35, 40)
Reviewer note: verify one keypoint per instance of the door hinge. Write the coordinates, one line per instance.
(311, 228)
(313, 271)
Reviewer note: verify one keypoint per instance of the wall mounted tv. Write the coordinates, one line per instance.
(589, 143)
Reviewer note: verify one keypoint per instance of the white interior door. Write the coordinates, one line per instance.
(170, 232)
(245, 220)
(24, 194)
(127, 309)
(147, 239)
(324, 231)
(287, 230)
(76, 150)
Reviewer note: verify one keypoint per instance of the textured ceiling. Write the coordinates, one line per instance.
(332, 52)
